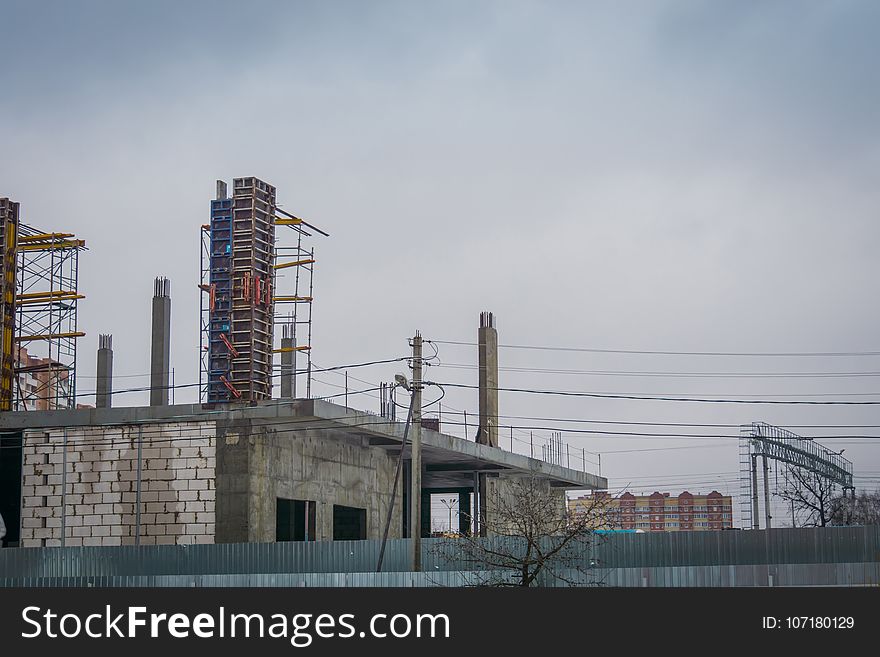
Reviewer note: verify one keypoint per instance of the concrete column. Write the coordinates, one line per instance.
(104, 384)
(464, 505)
(407, 494)
(488, 433)
(476, 493)
(425, 523)
(483, 497)
(286, 363)
(160, 352)
(488, 362)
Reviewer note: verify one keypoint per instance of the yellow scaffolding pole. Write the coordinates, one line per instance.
(47, 246)
(25, 239)
(285, 350)
(49, 336)
(32, 298)
(292, 299)
(284, 265)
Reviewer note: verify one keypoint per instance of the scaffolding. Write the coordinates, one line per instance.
(294, 274)
(46, 331)
(8, 264)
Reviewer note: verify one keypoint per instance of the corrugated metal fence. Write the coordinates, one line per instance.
(832, 555)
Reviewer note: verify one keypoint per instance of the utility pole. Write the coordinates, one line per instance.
(416, 490)
(766, 494)
(755, 520)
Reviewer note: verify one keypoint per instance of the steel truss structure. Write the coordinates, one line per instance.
(768, 442)
(46, 318)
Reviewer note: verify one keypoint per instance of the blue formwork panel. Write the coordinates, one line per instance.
(219, 359)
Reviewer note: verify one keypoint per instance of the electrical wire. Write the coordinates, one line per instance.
(645, 397)
(668, 353)
(676, 374)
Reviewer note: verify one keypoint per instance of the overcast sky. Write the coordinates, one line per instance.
(673, 176)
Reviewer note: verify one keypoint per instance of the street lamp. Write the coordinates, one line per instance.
(449, 503)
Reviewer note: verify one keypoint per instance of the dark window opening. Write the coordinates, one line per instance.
(349, 523)
(294, 520)
(10, 486)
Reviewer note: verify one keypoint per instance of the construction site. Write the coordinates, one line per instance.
(241, 466)
(261, 460)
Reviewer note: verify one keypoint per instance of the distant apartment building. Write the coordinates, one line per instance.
(43, 382)
(659, 512)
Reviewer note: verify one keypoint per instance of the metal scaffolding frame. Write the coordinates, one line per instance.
(46, 315)
(8, 265)
(768, 442)
(294, 296)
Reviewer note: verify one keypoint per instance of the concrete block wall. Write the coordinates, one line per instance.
(505, 493)
(259, 464)
(98, 503)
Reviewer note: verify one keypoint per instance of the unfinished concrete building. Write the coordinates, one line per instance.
(301, 470)
(244, 467)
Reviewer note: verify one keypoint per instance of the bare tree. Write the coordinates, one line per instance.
(811, 495)
(863, 510)
(532, 538)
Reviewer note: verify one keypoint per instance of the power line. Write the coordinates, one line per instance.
(645, 397)
(669, 353)
(683, 424)
(192, 385)
(686, 375)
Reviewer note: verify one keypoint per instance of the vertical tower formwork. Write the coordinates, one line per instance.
(239, 245)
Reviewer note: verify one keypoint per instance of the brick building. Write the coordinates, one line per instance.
(660, 512)
(42, 381)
